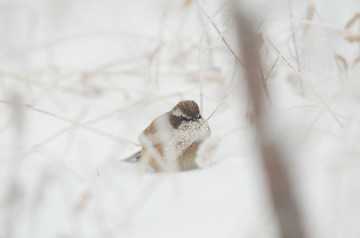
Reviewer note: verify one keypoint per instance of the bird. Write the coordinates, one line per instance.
(172, 140)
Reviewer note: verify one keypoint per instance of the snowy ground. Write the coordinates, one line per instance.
(88, 76)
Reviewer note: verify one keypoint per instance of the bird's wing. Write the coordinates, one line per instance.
(133, 158)
(158, 132)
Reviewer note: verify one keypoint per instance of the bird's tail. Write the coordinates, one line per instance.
(133, 158)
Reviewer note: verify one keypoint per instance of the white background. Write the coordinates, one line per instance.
(88, 76)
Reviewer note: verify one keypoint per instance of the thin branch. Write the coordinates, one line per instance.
(220, 34)
(282, 196)
(295, 44)
(97, 131)
(271, 69)
(223, 100)
(305, 81)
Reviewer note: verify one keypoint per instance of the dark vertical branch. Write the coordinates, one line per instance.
(282, 197)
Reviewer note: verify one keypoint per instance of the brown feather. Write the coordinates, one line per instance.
(186, 160)
(189, 108)
(175, 121)
(150, 129)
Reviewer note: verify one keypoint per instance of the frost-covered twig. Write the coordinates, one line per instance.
(220, 34)
(299, 74)
(97, 131)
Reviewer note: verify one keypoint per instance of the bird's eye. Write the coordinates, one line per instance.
(196, 118)
(184, 118)
(190, 119)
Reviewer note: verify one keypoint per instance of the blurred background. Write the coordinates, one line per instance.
(81, 79)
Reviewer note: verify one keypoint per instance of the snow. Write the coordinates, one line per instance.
(91, 75)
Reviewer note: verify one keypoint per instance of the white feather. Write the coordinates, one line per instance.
(184, 136)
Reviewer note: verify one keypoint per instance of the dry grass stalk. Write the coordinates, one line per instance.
(310, 13)
(223, 100)
(290, 223)
(343, 61)
(293, 36)
(352, 21)
(356, 61)
(353, 38)
(220, 34)
(299, 74)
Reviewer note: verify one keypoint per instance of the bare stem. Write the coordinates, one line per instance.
(280, 187)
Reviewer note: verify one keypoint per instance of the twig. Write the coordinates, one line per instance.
(290, 222)
(220, 34)
(265, 87)
(204, 54)
(295, 44)
(305, 81)
(223, 100)
(97, 131)
(272, 68)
